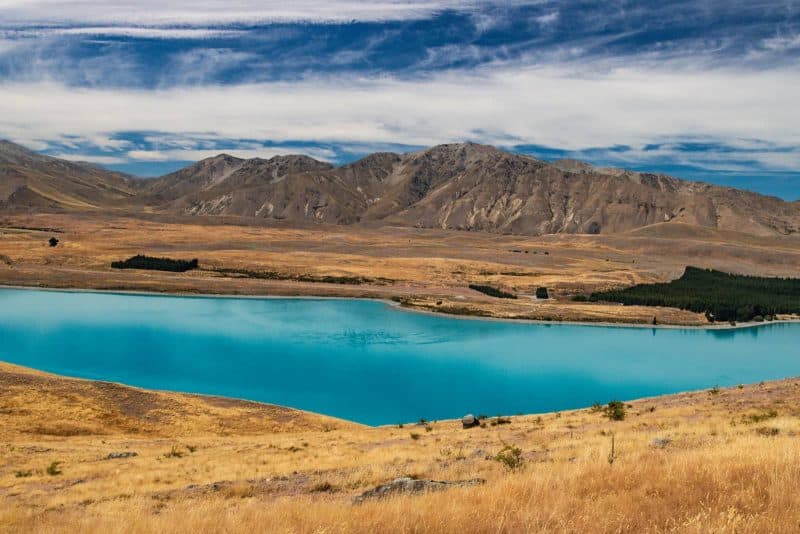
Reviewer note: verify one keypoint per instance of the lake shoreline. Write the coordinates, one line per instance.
(7, 366)
(400, 307)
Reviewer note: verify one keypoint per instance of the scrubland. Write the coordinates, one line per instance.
(718, 460)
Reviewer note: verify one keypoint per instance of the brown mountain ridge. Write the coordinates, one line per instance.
(455, 186)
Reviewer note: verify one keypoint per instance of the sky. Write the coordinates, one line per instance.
(703, 89)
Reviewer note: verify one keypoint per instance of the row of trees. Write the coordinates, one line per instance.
(156, 264)
(492, 291)
(721, 296)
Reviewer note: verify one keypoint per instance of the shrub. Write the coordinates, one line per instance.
(615, 410)
(156, 264)
(511, 457)
(492, 291)
(323, 487)
(53, 469)
(23, 474)
(52, 241)
(541, 293)
(415, 436)
(500, 421)
(173, 453)
(759, 417)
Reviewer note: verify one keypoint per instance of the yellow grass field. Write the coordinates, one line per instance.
(425, 269)
(710, 461)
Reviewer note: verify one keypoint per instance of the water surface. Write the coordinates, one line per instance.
(369, 362)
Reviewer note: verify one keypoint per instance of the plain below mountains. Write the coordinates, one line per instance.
(457, 186)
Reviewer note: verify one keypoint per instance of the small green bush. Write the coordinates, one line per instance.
(53, 469)
(615, 410)
(511, 457)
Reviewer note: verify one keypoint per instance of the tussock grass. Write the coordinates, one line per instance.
(683, 463)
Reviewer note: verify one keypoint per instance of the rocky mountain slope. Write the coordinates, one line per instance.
(457, 186)
(30, 181)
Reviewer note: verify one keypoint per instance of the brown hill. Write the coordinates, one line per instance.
(474, 187)
(459, 186)
(30, 182)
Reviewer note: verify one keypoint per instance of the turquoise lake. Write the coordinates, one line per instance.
(369, 362)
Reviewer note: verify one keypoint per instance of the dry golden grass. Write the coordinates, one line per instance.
(424, 267)
(732, 464)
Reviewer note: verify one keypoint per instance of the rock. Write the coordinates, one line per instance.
(660, 443)
(413, 485)
(118, 455)
(469, 421)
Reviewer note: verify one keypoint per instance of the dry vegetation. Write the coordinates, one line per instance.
(426, 269)
(718, 460)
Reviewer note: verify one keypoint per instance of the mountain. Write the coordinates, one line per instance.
(457, 186)
(31, 181)
(475, 187)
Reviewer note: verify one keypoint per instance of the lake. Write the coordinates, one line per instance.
(369, 362)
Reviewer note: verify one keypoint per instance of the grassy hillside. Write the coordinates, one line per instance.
(716, 460)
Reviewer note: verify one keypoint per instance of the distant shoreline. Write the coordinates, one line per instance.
(399, 307)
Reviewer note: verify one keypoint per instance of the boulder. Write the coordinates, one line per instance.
(118, 455)
(660, 443)
(412, 486)
(469, 421)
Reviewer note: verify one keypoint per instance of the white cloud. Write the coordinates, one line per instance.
(216, 12)
(782, 43)
(123, 31)
(550, 18)
(725, 158)
(548, 106)
(91, 158)
(194, 155)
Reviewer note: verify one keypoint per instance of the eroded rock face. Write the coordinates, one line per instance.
(462, 186)
(413, 485)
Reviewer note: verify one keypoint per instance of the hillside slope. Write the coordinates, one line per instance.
(32, 182)
(722, 460)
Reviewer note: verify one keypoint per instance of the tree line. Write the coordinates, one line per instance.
(156, 264)
(721, 296)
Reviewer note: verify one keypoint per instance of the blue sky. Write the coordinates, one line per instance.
(703, 89)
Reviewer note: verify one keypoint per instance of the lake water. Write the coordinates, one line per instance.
(368, 362)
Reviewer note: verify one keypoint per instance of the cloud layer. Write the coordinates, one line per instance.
(203, 12)
(701, 87)
(545, 106)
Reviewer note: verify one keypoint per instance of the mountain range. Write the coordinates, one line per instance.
(463, 186)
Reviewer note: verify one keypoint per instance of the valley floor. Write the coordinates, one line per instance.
(427, 270)
(710, 461)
